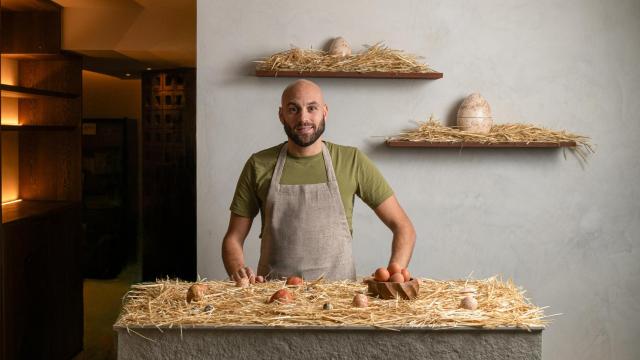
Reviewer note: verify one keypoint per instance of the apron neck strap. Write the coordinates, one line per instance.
(282, 156)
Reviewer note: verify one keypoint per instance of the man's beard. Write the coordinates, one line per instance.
(306, 140)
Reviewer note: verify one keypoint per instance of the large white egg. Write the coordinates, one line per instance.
(474, 115)
(340, 46)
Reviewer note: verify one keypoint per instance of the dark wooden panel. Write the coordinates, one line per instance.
(44, 287)
(49, 111)
(63, 75)
(350, 74)
(31, 32)
(168, 165)
(50, 165)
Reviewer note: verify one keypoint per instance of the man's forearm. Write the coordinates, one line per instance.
(404, 239)
(232, 255)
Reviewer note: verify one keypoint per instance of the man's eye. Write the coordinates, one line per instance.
(312, 108)
(293, 109)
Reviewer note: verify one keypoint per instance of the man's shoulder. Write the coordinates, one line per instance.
(266, 155)
(342, 150)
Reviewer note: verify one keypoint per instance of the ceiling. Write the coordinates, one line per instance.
(119, 37)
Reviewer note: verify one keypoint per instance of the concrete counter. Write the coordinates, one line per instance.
(321, 342)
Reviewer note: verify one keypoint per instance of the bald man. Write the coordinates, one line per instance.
(304, 190)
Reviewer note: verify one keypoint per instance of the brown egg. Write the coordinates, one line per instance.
(294, 280)
(259, 279)
(394, 268)
(406, 274)
(397, 277)
(340, 46)
(381, 274)
(360, 300)
(474, 115)
(243, 282)
(196, 292)
(282, 296)
(469, 303)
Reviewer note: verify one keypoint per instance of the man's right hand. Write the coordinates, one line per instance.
(244, 272)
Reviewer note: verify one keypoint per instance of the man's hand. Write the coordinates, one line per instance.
(244, 272)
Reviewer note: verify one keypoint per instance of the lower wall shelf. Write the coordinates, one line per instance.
(31, 208)
(469, 144)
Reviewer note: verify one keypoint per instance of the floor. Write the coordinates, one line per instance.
(102, 302)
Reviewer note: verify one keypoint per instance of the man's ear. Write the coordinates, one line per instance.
(280, 115)
(326, 111)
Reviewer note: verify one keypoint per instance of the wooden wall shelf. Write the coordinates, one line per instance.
(469, 144)
(347, 74)
(30, 93)
(8, 127)
(30, 208)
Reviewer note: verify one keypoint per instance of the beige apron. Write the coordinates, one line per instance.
(306, 231)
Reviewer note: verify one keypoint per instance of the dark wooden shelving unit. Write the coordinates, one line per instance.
(470, 144)
(352, 75)
(22, 92)
(41, 303)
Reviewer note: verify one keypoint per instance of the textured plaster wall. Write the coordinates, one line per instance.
(567, 233)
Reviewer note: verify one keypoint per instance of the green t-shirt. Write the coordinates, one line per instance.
(356, 175)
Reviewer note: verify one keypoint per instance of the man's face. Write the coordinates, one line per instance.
(303, 114)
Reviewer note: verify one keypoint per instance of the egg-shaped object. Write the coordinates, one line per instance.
(196, 292)
(469, 303)
(360, 300)
(381, 274)
(294, 280)
(474, 115)
(406, 274)
(282, 296)
(259, 279)
(397, 278)
(340, 46)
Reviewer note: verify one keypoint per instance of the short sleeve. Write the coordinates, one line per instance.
(245, 201)
(372, 188)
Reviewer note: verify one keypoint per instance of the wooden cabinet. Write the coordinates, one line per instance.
(168, 173)
(41, 297)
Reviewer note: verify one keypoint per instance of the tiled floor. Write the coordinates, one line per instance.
(102, 302)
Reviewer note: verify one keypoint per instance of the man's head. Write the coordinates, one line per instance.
(303, 112)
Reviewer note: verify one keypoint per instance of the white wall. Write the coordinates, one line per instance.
(568, 234)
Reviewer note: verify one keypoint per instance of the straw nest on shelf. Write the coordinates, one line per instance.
(432, 130)
(163, 305)
(376, 58)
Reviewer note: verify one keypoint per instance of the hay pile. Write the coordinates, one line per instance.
(163, 304)
(376, 58)
(431, 130)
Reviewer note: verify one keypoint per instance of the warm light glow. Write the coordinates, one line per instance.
(10, 166)
(9, 112)
(11, 202)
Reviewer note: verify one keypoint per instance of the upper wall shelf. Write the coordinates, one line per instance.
(470, 144)
(347, 74)
(28, 93)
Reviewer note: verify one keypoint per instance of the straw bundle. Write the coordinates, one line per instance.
(163, 304)
(432, 130)
(375, 58)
